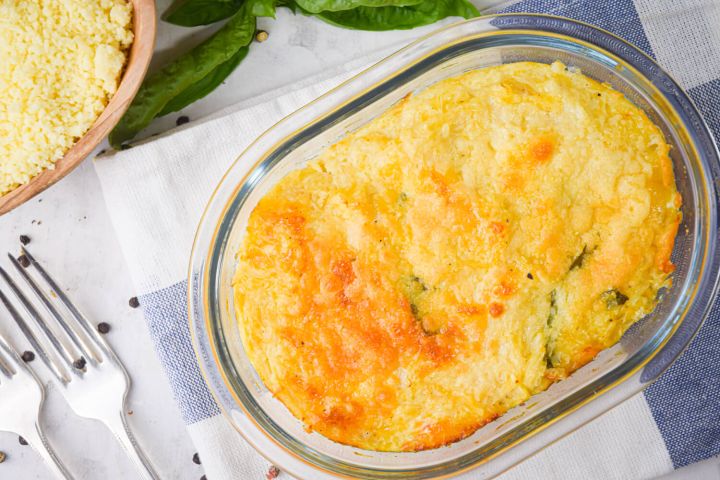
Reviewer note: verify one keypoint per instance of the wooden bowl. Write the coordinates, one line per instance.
(140, 54)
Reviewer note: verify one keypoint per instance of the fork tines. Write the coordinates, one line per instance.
(75, 346)
(94, 381)
(6, 357)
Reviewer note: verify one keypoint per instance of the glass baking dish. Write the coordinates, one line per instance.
(614, 375)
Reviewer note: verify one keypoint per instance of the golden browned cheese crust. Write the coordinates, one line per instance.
(458, 254)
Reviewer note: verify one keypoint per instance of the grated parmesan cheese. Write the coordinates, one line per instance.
(60, 63)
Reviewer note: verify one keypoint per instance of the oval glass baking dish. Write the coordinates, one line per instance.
(614, 375)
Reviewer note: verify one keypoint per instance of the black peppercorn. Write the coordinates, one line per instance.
(23, 260)
(80, 363)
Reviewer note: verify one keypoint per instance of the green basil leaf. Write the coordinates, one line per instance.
(399, 18)
(317, 6)
(191, 13)
(263, 8)
(206, 85)
(159, 88)
(288, 4)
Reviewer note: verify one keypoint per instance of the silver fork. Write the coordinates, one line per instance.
(22, 397)
(90, 375)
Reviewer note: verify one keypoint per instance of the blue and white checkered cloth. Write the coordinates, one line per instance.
(155, 194)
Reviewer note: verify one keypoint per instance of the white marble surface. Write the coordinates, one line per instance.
(73, 237)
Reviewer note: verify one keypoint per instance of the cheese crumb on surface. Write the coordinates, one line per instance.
(60, 63)
(475, 243)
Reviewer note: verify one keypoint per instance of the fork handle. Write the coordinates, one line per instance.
(36, 438)
(119, 427)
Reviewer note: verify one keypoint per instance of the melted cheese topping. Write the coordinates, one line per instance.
(457, 255)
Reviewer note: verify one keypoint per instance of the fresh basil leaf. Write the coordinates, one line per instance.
(399, 18)
(206, 85)
(263, 8)
(191, 13)
(288, 4)
(317, 6)
(159, 88)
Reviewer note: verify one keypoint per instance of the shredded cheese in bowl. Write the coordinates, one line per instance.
(60, 63)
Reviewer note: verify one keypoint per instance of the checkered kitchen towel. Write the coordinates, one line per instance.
(156, 191)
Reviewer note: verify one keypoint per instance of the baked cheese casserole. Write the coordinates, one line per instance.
(477, 242)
